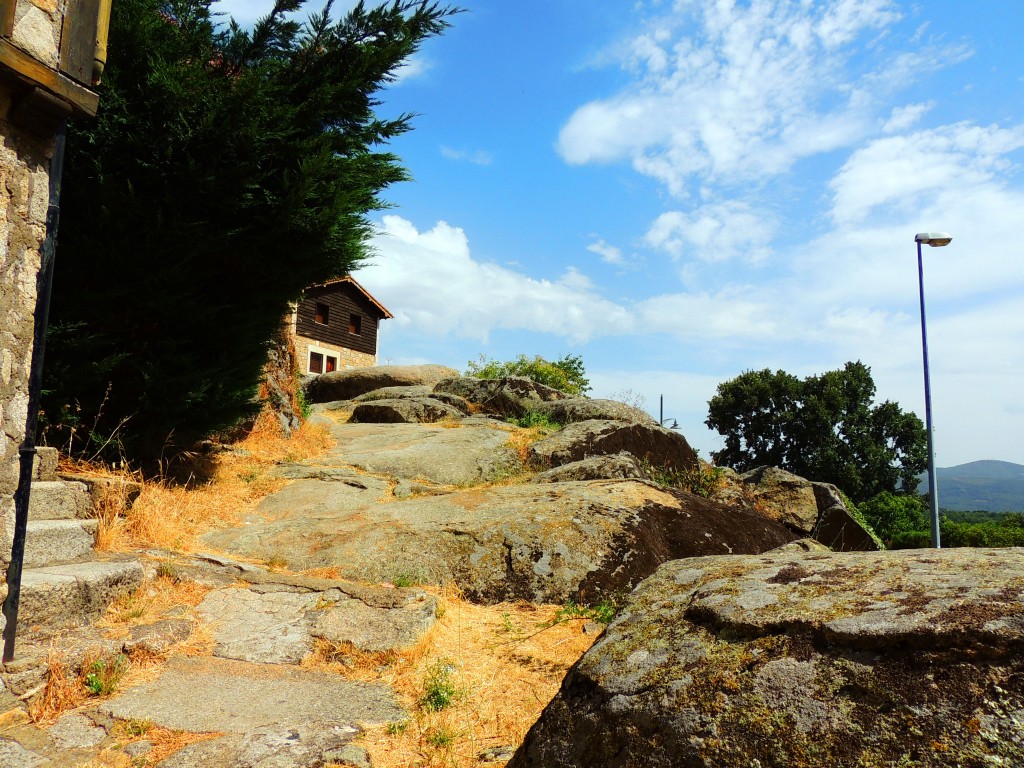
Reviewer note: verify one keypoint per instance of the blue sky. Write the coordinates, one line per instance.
(680, 191)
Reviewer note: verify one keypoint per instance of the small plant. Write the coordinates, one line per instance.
(534, 420)
(602, 612)
(105, 673)
(277, 563)
(136, 727)
(441, 738)
(396, 727)
(405, 580)
(167, 571)
(702, 480)
(439, 688)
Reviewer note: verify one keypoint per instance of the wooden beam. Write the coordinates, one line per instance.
(82, 100)
(7, 8)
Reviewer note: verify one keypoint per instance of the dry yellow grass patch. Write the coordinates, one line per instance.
(501, 663)
(172, 516)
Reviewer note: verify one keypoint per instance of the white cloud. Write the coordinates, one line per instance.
(910, 173)
(713, 233)
(416, 66)
(609, 254)
(477, 157)
(726, 91)
(434, 286)
(903, 118)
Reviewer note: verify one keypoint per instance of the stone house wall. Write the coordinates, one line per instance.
(347, 358)
(24, 197)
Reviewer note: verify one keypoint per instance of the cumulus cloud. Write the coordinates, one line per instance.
(432, 283)
(713, 233)
(730, 91)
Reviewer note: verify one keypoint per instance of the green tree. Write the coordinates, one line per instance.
(227, 170)
(823, 427)
(567, 373)
(895, 516)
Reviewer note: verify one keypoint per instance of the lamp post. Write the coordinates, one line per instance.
(935, 240)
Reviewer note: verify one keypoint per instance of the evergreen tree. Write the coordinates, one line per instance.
(226, 171)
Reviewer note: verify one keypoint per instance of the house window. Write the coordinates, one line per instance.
(355, 324)
(316, 362)
(331, 364)
(323, 313)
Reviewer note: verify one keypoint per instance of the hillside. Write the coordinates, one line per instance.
(992, 486)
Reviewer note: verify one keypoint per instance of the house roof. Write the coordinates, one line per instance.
(349, 279)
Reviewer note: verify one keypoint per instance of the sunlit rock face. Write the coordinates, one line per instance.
(796, 658)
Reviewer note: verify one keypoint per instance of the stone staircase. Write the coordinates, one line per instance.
(65, 582)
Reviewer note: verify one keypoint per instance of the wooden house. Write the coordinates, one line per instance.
(335, 327)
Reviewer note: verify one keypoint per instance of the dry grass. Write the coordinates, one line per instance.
(172, 516)
(505, 667)
(64, 691)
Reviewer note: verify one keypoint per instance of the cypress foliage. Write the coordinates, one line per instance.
(227, 170)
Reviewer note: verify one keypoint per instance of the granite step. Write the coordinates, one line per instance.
(57, 597)
(59, 500)
(50, 542)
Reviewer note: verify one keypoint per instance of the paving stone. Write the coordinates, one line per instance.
(13, 755)
(302, 746)
(376, 629)
(76, 731)
(271, 628)
(204, 695)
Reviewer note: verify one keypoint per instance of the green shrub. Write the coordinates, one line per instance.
(533, 419)
(566, 374)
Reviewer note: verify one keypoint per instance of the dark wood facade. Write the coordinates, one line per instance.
(352, 315)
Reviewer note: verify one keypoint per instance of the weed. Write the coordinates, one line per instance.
(167, 571)
(535, 420)
(405, 580)
(508, 626)
(249, 476)
(105, 673)
(396, 727)
(602, 612)
(136, 727)
(703, 479)
(440, 738)
(277, 562)
(439, 689)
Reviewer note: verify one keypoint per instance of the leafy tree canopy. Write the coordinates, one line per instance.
(825, 428)
(227, 170)
(567, 373)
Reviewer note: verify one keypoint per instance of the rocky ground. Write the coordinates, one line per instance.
(416, 593)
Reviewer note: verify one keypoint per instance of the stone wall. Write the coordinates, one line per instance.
(24, 197)
(347, 358)
(37, 29)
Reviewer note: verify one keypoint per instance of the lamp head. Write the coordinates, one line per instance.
(934, 239)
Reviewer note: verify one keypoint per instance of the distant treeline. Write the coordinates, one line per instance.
(970, 529)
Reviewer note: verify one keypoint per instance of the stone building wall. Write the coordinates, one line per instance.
(37, 29)
(347, 358)
(24, 197)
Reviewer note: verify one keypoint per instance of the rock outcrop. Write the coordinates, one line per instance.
(348, 384)
(544, 543)
(510, 396)
(660, 448)
(585, 409)
(797, 658)
(806, 507)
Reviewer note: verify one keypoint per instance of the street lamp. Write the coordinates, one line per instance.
(935, 240)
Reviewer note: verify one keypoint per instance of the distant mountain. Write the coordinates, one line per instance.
(992, 486)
